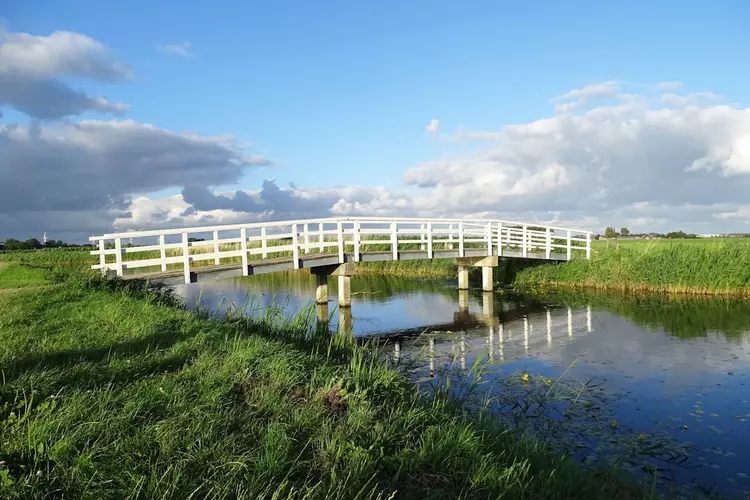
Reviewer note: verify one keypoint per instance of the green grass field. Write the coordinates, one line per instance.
(111, 391)
(694, 266)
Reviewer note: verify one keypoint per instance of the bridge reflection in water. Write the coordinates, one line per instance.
(510, 332)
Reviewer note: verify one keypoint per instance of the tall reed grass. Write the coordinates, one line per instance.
(707, 267)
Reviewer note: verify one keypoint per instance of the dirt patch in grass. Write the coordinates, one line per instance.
(334, 401)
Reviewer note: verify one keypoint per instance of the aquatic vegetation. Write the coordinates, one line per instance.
(702, 267)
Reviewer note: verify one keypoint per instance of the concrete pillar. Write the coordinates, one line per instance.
(345, 320)
(345, 292)
(321, 289)
(487, 279)
(463, 301)
(463, 277)
(488, 306)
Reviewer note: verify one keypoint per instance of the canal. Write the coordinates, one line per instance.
(658, 386)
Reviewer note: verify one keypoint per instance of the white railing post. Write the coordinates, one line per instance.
(186, 257)
(489, 238)
(162, 252)
(356, 242)
(322, 239)
(460, 239)
(118, 256)
(523, 242)
(450, 237)
(588, 246)
(429, 240)
(307, 238)
(217, 259)
(243, 247)
(421, 237)
(340, 236)
(548, 247)
(568, 246)
(394, 241)
(263, 242)
(499, 239)
(102, 258)
(295, 247)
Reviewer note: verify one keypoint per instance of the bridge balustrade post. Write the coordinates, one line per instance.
(489, 238)
(523, 241)
(307, 238)
(186, 257)
(322, 239)
(499, 239)
(162, 252)
(295, 247)
(118, 256)
(460, 239)
(356, 242)
(263, 243)
(450, 237)
(340, 236)
(429, 240)
(421, 237)
(217, 259)
(568, 249)
(394, 241)
(588, 246)
(102, 258)
(548, 248)
(243, 247)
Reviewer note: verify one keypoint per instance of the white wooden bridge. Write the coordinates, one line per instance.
(329, 246)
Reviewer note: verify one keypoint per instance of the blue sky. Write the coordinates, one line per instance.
(339, 93)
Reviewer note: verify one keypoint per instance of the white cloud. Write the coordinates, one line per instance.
(433, 127)
(183, 49)
(31, 68)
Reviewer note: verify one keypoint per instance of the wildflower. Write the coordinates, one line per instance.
(613, 424)
(525, 377)
(641, 436)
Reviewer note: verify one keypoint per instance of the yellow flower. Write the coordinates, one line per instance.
(525, 377)
(641, 436)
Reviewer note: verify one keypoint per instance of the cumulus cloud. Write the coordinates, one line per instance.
(32, 68)
(183, 49)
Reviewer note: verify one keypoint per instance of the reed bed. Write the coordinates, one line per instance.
(702, 267)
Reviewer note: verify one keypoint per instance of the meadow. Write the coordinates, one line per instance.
(113, 390)
(716, 266)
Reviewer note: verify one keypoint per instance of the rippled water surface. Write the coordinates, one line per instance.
(658, 384)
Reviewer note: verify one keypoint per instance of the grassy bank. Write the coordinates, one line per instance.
(109, 391)
(697, 267)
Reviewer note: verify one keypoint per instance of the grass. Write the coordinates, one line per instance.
(112, 391)
(697, 267)
(15, 275)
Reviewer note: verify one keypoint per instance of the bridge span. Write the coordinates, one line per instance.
(330, 247)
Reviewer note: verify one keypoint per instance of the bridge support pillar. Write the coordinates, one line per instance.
(321, 289)
(322, 312)
(463, 277)
(487, 279)
(343, 272)
(345, 292)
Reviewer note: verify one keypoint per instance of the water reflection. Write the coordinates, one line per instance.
(669, 369)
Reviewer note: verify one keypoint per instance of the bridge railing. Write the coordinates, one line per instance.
(186, 248)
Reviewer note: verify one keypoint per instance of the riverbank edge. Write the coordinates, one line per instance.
(558, 476)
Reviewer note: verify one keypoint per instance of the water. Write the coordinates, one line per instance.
(659, 383)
